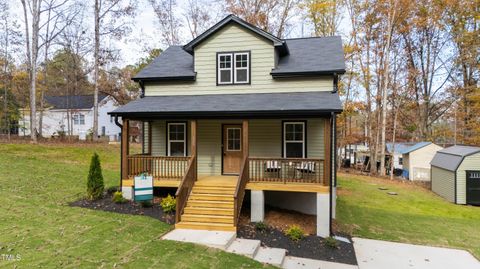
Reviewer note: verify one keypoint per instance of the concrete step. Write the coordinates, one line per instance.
(210, 197)
(217, 239)
(208, 218)
(205, 226)
(208, 211)
(210, 204)
(273, 256)
(246, 247)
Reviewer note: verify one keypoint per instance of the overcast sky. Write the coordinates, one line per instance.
(145, 34)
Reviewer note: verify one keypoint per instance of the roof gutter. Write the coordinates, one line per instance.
(276, 74)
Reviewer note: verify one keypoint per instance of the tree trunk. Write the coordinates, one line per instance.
(96, 71)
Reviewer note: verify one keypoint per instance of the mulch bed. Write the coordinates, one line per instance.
(129, 207)
(311, 246)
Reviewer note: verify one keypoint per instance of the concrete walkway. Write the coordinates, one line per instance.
(375, 254)
(251, 248)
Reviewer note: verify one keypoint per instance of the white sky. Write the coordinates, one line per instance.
(145, 34)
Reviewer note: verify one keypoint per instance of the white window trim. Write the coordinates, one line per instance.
(303, 142)
(184, 137)
(241, 68)
(240, 132)
(77, 119)
(232, 63)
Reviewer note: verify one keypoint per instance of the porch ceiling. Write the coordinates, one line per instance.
(300, 104)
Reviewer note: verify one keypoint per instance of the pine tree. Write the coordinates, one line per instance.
(95, 184)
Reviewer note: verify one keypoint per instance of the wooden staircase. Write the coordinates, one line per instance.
(210, 206)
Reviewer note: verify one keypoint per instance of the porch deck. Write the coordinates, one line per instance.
(232, 181)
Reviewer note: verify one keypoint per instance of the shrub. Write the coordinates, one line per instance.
(168, 204)
(118, 198)
(112, 190)
(146, 203)
(95, 184)
(331, 242)
(295, 233)
(261, 226)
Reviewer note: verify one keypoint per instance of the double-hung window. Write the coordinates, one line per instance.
(177, 145)
(233, 68)
(294, 139)
(78, 119)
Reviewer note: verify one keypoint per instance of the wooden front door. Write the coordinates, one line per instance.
(232, 148)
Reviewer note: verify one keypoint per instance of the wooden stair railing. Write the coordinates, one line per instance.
(240, 190)
(185, 187)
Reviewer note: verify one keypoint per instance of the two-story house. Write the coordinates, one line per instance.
(73, 114)
(239, 111)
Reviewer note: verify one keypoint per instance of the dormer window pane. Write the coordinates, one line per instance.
(233, 68)
(225, 68)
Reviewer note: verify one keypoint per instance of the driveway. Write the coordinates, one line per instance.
(375, 254)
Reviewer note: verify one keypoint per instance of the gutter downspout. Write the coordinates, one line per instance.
(121, 153)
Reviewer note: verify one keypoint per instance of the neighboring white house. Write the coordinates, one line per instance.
(416, 160)
(79, 109)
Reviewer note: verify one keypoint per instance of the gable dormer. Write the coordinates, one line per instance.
(235, 57)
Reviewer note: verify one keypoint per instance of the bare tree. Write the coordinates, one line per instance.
(167, 20)
(108, 16)
(198, 17)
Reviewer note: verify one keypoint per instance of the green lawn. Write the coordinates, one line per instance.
(38, 181)
(415, 215)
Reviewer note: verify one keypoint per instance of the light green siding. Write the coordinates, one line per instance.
(471, 162)
(265, 140)
(443, 183)
(145, 137)
(262, 53)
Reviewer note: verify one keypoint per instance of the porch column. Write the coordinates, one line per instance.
(150, 137)
(127, 191)
(327, 163)
(245, 147)
(125, 148)
(323, 214)
(193, 143)
(257, 206)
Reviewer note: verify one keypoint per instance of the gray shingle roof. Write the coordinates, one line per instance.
(72, 101)
(228, 104)
(450, 158)
(302, 56)
(312, 55)
(173, 63)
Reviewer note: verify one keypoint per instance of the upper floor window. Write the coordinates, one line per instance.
(233, 68)
(78, 119)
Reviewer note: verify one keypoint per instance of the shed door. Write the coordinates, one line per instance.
(473, 187)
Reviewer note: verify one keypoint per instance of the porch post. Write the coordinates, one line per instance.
(150, 137)
(193, 143)
(245, 147)
(125, 148)
(328, 152)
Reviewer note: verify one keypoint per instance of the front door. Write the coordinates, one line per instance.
(232, 148)
(473, 187)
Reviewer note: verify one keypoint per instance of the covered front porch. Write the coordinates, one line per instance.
(256, 149)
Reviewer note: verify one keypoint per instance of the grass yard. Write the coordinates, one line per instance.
(38, 181)
(415, 215)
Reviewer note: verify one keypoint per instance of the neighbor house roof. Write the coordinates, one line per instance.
(416, 146)
(297, 57)
(231, 105)
(450, 158)
(72, 101)
(399, 146)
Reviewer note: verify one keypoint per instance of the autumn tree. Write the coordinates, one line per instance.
(109, 20)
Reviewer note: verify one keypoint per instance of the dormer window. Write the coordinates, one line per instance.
(233, 68)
